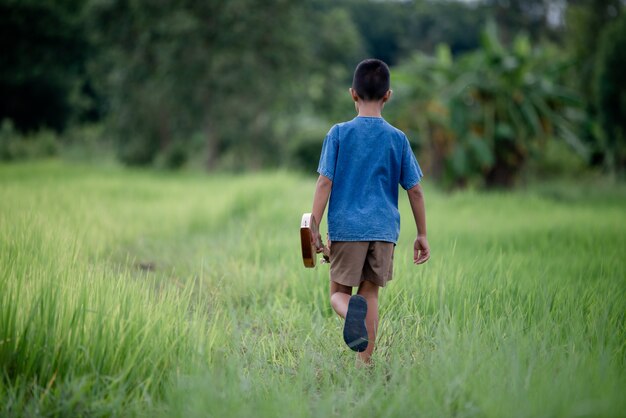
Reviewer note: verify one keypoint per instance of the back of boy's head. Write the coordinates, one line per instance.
(371, 79)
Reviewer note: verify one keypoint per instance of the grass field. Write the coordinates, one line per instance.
(135, 293)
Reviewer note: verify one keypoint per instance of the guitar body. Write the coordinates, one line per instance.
(308, 235)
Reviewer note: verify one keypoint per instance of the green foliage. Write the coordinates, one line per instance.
(17, 146)
(305, 135)
(484, 113)
(178, 69)
(586, 21)
(229, 84)
(128, 292)
(539, 18)
(455, 23)
(42, 71)
(87, 143)
(337, 48)
(557, 160)
(610, 87)
(392, 30)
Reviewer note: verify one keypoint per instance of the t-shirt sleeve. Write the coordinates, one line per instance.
(410, 171)
(328, 158)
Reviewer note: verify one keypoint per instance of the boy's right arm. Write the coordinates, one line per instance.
(421, 249)
(322, 193)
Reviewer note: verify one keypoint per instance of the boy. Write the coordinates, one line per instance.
(361, 164)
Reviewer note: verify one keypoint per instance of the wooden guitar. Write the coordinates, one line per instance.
(308, 237)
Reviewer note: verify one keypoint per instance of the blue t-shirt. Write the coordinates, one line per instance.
(366, 158)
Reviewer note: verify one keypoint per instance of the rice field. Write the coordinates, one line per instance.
(142, 293)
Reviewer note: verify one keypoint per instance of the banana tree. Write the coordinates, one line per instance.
(481, 116)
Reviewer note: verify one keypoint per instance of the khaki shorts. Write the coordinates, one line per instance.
(352, 262)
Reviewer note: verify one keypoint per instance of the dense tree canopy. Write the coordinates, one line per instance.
(610, 88)
(42, 69)
(175, 70)
(244, 83)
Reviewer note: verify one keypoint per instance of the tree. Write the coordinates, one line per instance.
(482, 115)
(392, 30)
(179, 71)
(585, 21)
(531, 16)
(610, 88)
(42, 69)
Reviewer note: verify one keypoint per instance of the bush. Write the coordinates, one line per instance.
(487, 111)
(556, 160)
(17, 146)
(306, 137)
(173, 157)
(87, 143)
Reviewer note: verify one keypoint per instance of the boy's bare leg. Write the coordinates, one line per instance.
(339, 298)
(370, 292)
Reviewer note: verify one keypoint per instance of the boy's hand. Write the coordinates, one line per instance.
(321, 248)
(421, 250)
(317, 242)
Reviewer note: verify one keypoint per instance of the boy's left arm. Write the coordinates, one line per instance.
(421, 249)
(320, 199)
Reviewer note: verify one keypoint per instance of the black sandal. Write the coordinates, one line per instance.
(354, 329)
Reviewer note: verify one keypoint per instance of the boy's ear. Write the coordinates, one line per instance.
(354, 95)
(387, 96)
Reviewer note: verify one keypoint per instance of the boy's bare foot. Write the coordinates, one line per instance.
(364, 362)
(354, 330)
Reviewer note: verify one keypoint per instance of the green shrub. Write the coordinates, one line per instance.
(17, 146)
(173, 157)
(306, 137)
(87, 143)
(485, 113)
(556, 160)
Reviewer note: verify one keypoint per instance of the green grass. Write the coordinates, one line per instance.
(519, 313)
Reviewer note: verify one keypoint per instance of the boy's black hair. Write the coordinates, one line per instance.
(371, 79)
